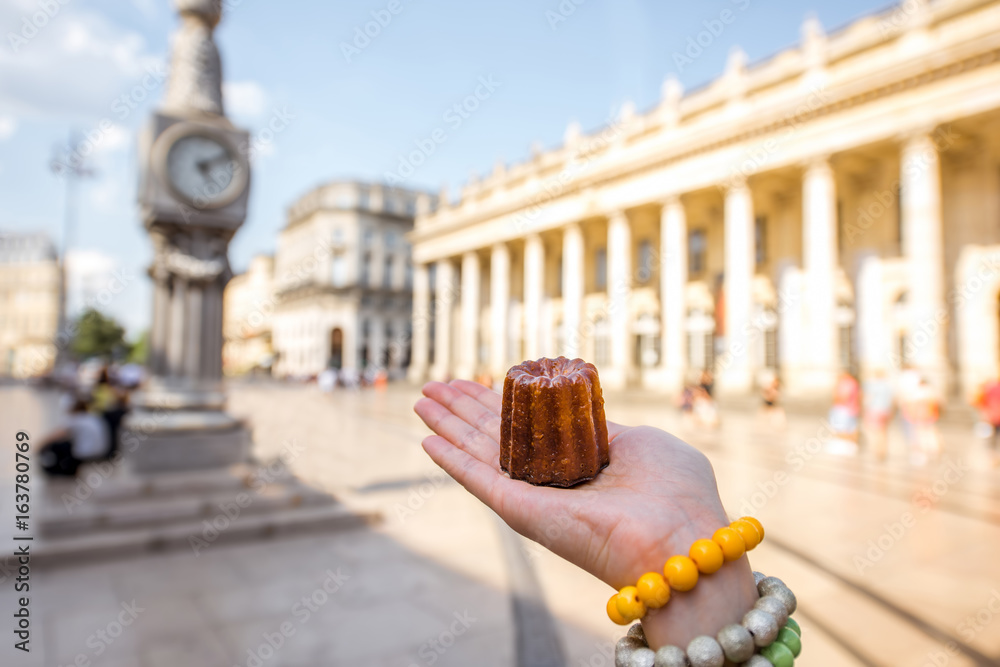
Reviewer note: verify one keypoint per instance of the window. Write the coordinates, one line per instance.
(760, 239)
(646, 259)
(338, 236)
(647, 343)
(366, 270)
(363, 199)
(390, 240)
(602, 342)
(338, 270)
(601, 268)
(697, 249)
(387, 273)
(369, 238)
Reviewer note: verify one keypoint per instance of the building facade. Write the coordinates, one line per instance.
(29, 304)
(343, 280)
(836, 206)
(247, 307)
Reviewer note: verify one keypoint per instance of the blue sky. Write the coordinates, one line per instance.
(354, 111)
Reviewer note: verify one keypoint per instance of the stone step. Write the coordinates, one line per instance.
(95, 484)
(148, 512)
(112, 545)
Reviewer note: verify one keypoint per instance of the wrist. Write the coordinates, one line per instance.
(718, 599)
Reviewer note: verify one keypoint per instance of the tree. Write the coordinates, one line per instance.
(97, 335)
(139, 351)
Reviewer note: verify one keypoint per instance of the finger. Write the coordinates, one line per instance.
(489, 398)
(478, 478)
(460, 433)
(466, 408)
(615, 429)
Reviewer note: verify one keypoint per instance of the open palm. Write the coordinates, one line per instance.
(656, 497)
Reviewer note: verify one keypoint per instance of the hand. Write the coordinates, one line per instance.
(656, 497)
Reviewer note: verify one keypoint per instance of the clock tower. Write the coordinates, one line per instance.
(193, 191)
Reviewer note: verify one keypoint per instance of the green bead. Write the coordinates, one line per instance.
(793, 626)
(779, 655)
(788, 637)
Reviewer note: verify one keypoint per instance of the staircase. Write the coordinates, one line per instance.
(101, 516)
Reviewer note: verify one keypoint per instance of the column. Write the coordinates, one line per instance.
(572, 289)
(619, 290)
(534, 287)
(499, 307)
(421, 324)
(735, 373)
(444, 290)
(673, 279)
(923, 247)
(819, 253)
(469, 345)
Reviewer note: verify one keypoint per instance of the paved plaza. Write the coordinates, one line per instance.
(892, 565)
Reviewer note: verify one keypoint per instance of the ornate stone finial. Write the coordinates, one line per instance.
(813, 41)
(195, 84)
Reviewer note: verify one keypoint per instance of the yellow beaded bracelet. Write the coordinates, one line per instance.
(680, 573)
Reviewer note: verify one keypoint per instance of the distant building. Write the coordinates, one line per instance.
(247, 310)
(836, 206)
(343, 280)
(29, 304)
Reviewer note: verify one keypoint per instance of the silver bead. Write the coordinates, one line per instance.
(757, 576)
(624, 649)
(762, 626)
(767, 584)
(775, 607)
(757, 661)
(670, 656)
(736, 642)
(786, 596)
(636, 632)
(643, 657)
(704, 651)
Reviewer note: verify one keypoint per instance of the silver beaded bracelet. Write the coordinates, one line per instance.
(764, 638)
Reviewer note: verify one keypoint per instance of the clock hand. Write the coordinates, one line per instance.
(204, 165)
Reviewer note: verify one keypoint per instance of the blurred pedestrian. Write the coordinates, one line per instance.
(327, 380)
(907, 385)
(988, 402)
(878, 404)
(707, 382)
(923, 409)
(844, 415)
(82, 437)
(771, 410)
(111, 403)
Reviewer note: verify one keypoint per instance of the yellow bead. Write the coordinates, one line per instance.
(613, 613)
(653, 590)
(681, 573)
(748, 531)
(707, 555)
(733, 546)
(756, 524)
(629, 604)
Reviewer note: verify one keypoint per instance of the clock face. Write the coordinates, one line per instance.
(204, 170)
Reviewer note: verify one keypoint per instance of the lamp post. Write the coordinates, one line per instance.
(68, 162)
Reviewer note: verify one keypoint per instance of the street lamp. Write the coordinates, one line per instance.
(69, 162)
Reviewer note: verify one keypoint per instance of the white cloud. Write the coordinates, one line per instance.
(244, 98)
(76, 66)
(8, 124)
